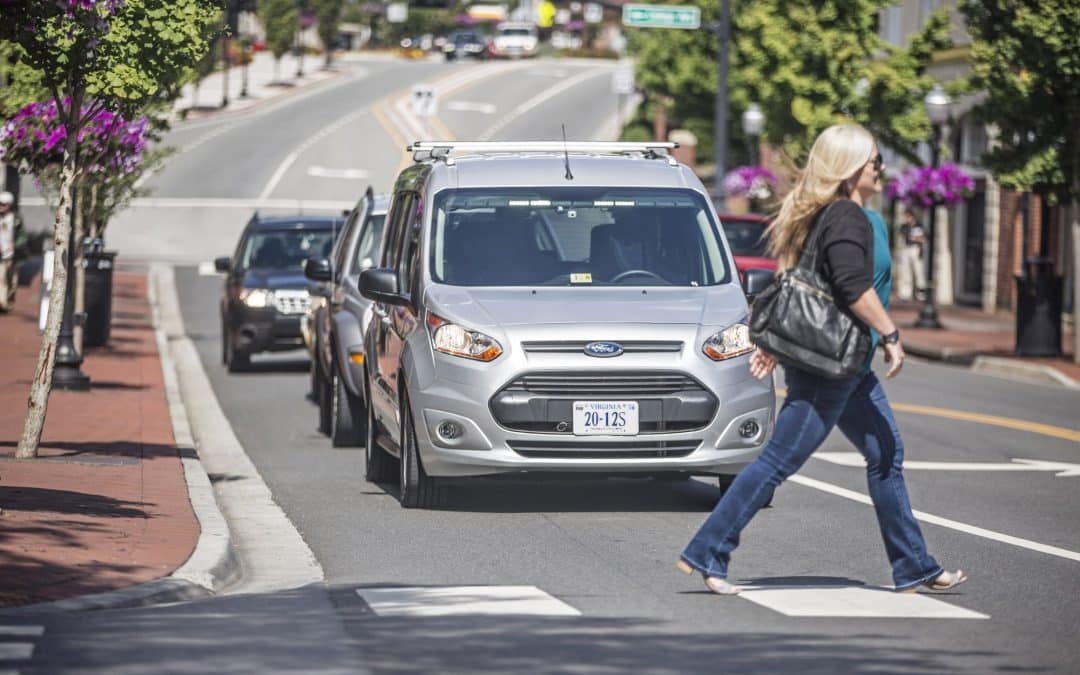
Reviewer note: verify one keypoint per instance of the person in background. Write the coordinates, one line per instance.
(910, 257)
(12, 250)
(843, 170)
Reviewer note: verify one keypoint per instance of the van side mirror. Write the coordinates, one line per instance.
(223, 264)
(756, 280)
(317, 269)
(380, 285)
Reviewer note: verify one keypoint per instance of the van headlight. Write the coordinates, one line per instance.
(257, 297)
(727, 344)
(450, 338)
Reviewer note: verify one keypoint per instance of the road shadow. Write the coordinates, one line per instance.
(275, 365)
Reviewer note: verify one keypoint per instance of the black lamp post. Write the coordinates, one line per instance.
(66, 371)
(937, 110)
(753, 123)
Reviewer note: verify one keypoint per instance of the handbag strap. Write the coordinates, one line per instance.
(810, 250)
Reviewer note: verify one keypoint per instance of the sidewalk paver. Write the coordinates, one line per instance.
(105, 506)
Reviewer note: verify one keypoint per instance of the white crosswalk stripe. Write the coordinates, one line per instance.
(18, 651)
(853, 602)
(464, 600)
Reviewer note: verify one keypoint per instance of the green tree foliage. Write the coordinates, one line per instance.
(280, 19)
(328, 15)
(21, 84)
(1026, 58)
(802, 61)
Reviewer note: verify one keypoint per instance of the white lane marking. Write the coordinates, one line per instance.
(325, 172)
(539, 99)
(207, 269)
(471, 106)
(943, 522)
(226, 203)
(16, 651)
(856, 460)
(854, 602)
(22, 631)
(303, 147)
(554, 72)
(464, 600)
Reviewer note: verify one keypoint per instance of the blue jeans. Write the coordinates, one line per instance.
(813, 407)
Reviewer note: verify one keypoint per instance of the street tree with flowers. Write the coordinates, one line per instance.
(93, 56)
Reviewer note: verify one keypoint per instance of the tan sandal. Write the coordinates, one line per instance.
(941, 582)
(714, 584)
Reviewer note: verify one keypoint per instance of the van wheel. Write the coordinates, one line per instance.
(416, 488)
(378, 464)
(346, 424)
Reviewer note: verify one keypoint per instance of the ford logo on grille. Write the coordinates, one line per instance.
(603, 349)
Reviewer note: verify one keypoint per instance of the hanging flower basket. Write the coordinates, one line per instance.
(926, 186)
(752, 182)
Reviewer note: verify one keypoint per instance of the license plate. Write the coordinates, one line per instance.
(612, 418)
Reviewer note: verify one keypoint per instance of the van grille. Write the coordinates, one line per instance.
(578, 346)
(577, 449)
(615, 383)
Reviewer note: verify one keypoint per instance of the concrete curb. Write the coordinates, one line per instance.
(212, 564)
(1028, 371)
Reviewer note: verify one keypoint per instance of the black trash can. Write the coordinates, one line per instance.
(1038, 309)
(98, 297)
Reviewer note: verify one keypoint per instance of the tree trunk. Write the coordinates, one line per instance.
(78, 328)
(1074, 223)
(38, 402)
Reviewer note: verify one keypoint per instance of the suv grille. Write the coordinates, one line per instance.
(603, 450)
(592, 385)
(668, 402)
(291, 302)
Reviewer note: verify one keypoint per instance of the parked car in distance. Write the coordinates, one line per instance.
(515, 39)
(745, 233)
(337, 363)
(462, 44)
(556, 307)
(265, 291)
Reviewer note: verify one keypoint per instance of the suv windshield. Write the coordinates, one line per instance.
(285, 249)
(557, 236)
(746, 237)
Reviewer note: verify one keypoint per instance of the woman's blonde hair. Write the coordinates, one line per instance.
(836, 158)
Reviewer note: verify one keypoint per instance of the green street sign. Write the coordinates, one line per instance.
(661, 16)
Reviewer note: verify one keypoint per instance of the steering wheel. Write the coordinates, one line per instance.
(637, 273)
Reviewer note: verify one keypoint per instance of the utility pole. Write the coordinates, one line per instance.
(720, 135)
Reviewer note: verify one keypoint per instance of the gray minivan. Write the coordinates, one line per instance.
(551, 307)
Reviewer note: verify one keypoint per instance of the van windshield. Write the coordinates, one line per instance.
(575, 237)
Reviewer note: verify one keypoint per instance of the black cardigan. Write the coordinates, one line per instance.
(846, 250)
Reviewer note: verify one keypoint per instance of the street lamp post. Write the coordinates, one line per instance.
(753, 123)
(722, 28)
(67, 373)
(937, 111)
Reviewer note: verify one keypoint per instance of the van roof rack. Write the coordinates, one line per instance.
(444, 150)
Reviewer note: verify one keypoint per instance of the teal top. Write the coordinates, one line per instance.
(882, 271)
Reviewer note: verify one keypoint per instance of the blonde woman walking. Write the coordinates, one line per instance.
(843, 170)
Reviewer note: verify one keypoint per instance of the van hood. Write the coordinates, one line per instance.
(480, 307)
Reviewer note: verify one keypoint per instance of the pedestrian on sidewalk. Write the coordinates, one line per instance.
(845, 167)
(910, 258)
(12, 250)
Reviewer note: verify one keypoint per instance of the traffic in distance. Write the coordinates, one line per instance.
(562, 308)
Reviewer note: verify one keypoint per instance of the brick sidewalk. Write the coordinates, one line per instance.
(105, 506)
(970, 333)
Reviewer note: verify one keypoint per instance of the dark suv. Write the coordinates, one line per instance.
(340, 319)
(265, 290)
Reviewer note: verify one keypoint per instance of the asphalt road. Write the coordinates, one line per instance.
(602, 548)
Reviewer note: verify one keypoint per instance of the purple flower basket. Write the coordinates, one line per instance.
(926, 186)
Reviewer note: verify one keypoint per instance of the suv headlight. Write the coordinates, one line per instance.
(450, 338)
(731, 342)
(257, 297)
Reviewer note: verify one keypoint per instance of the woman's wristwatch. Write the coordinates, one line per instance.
(892, 338)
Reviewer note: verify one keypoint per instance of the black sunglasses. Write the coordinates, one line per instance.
(879, 163)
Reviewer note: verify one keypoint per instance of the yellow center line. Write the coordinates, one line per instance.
(979, 418)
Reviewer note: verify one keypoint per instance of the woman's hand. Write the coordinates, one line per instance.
(762, 364)
(894, 356)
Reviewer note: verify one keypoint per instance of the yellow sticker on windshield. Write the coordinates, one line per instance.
(581, 278)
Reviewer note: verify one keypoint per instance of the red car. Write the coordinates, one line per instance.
(745, 233)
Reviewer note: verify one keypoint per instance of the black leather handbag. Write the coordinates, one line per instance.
(797, 320)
